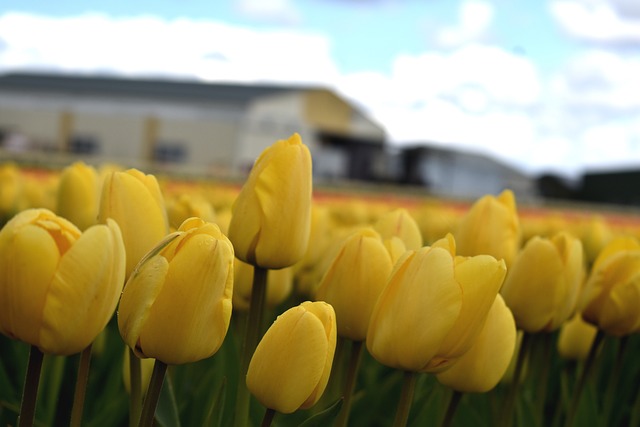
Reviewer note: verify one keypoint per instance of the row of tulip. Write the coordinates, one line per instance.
(475, 295)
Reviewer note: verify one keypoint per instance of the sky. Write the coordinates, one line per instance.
(547, 86)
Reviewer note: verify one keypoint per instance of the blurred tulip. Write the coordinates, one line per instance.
(185, 206)
(146, 369)
(291, 365)
(58, 287)
(481, 368)
(400, 223)
(395, 247)
(433, 307)
(354, 281)
(279, 285)
(544, 282)
(575, 339)
(10, 190)
(611, 297)
(271, 217)
(176, 305)
(490, 227)
(135, 202)
(78, 195)
(596, 233)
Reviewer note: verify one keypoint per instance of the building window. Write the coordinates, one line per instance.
(84, 144)
(170, 152)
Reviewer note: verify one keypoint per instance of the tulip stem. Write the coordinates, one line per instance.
(352, 375)
(507, 408)
(610, 393)
(584, 376)
(268, 417)
(543, 377)
(81, 387)
(30, 390)
(406, 398)
(251, 338)
(456, 396)
(135, 398)
(151, 399)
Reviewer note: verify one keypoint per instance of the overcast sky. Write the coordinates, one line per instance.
(546, 85)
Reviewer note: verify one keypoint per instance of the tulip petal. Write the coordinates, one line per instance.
(194, 306)
(27, 270)
(85, 290)
(296, 342)
(621, 310)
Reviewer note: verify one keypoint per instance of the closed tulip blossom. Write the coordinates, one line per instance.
(176, 305)
(401, 224)
(481, 368)
(270, 223)
(184, 206)
(354, 281)
(433, 307)
(576, 338)
(58, 286)
(291, 365)
(544, 282)
(78, 195)
(491, 227)
(135, 202)
(611, 297)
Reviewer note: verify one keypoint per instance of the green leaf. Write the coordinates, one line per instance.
(167, 413)
(216, 405)
(324, 418)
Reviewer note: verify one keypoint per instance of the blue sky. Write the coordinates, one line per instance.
(546, 85)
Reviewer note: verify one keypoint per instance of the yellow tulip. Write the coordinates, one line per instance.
(611, 297)
(481, 368)
(78, 195)
(10, 190)
(544, 282)
(135, 202)
(396, 248)
(58, 287)
(575, 339)
(433, 307)
(291, 365)
(185, 206)
(491, 227)
(596, 234)
(354, 281)
(279, 285)
(271, 217)
(401, 224)
(176, 305)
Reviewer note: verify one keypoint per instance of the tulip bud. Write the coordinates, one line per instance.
(611, 297)
(291, 365)
(481, 368)
(10, 191)
(271, 217)
(433, 307)
(185, 206)
(176, 305)
(279, 285)
(575, 339)
(78, 195)
(135, 202)
(544, 282)
(58, 287)
(401, 224)
(354, 281)
(491, 227)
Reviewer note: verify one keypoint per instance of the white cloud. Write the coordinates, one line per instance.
(599, 20)
(475, 18)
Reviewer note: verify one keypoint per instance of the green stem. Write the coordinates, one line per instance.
(81, 387)
(406, 398)
(507, 408)
(610, 393)
(151, 398)
(30, 390)
(543, 377)
(268, 417)
(135, 398)
(251, 338)
(582, 380)
(456, 396)
(352, 375)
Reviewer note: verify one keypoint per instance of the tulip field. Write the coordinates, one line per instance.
(134, 299)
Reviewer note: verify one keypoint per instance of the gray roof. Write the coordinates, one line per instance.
(161, 88)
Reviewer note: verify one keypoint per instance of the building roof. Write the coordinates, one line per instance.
(135, 87)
